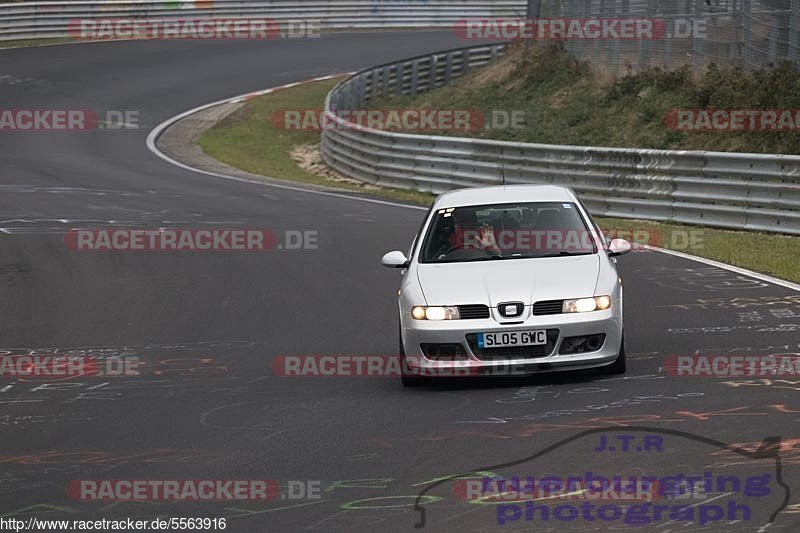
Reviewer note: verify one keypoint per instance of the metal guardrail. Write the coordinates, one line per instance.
(33, 20)
(729, 190)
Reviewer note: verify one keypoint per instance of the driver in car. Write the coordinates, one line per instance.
(468, 234)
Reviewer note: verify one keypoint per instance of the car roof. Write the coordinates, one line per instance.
(504, 194)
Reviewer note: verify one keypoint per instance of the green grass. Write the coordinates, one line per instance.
(565, 101)
(248, 141)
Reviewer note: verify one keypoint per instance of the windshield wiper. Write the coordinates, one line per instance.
(506, 257)
(562, 254)
(497, 258)
(522, 256)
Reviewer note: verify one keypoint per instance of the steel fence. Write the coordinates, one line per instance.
(729, 190)
(742, 33)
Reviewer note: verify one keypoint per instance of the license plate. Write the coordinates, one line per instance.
(504, 339)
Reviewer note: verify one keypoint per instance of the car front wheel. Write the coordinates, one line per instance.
(618, 366)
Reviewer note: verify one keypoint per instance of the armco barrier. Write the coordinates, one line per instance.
(729, 190)
(34, 20)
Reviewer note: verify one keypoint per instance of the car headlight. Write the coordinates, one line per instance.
(435, 313)
(587, 305)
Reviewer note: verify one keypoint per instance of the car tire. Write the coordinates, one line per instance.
(618, 366)
(414, 381)
(408, 381)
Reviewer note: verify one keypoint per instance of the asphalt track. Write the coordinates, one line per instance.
(208, 325)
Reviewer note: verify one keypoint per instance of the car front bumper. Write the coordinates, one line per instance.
(476, 362)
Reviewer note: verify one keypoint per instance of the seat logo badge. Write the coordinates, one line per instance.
(511, 310)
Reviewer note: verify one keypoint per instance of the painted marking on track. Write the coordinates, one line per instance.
(738, 270)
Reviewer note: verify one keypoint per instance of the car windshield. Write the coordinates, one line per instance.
(506, 232)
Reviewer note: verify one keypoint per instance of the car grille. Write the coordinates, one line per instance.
(551, 307)
(513, 352)
(473, 312)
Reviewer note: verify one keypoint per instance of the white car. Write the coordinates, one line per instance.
(510, 279)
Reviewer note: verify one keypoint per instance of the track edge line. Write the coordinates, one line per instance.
(739, 270)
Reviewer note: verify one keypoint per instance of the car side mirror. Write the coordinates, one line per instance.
(618, 247)
(395, 259)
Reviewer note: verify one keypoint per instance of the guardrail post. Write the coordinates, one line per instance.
(349, 99)
(373, 83)
(384, 80)
(503, 164)
(448, 67)
(414, 78)
(396, 85)
(362, 92)
(433, 67)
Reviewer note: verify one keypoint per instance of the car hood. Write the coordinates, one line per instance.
(517, 280)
